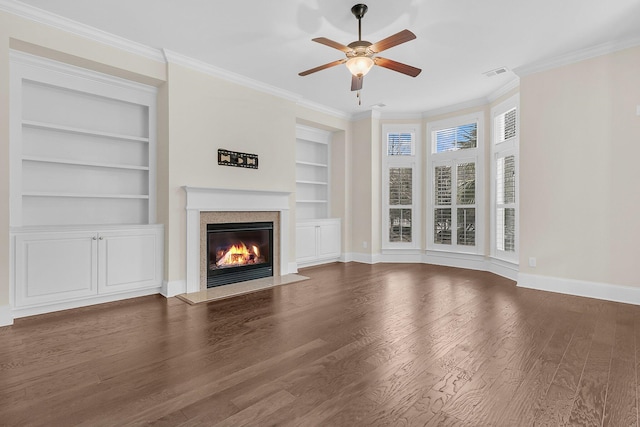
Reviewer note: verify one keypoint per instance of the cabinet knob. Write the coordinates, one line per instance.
(94, 238)
(101, 238)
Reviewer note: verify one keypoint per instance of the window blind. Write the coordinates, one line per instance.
(456, 138)
(400, 144)
(507, 125)
(400, 186)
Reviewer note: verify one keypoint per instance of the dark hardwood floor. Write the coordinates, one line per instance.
(357, 345)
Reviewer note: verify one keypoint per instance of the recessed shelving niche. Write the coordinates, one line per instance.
(312, 173)
(82, 147)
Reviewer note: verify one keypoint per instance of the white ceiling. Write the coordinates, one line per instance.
(457, 40)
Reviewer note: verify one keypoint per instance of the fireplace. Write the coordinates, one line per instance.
(237, 252)
(216, 205)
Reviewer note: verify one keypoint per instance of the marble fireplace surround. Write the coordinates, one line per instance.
(215, 205)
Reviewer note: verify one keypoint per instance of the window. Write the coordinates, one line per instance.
(400, 204)
(400, 200)
(400, 144)
(455, 168)
(457, 138)
(504, 173)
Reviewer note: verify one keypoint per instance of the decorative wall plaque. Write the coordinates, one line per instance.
(240, 160)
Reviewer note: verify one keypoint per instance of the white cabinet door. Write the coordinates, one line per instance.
(317, 241)
(306, 242)
(52, 267)
(329, 239)
(129, 260)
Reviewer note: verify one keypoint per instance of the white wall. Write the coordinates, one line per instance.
(579, 181)
(205, 114)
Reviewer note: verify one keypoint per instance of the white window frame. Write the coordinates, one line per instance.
(413, 162)
(454, 158)
(503, 149)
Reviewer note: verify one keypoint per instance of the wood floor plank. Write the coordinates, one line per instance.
(355, 345)
(621, 406)
(588, 407)
(529, 397)
(556, 406)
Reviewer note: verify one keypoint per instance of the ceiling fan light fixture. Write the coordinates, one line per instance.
(359, 65)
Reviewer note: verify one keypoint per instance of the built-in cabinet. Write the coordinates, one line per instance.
(318, 237)
(317, 241)
(62, 266)
(82, 200)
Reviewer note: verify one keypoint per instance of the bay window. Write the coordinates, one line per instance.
(454, 179)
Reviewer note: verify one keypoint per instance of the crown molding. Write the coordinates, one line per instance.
(478, 102)
(79, 29)
(398, 115)
(367, 114)
(504, 89)
(576, 56)
(61, 67)
(324, 109)
(203, 67)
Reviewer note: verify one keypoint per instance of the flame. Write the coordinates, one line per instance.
(239, 254)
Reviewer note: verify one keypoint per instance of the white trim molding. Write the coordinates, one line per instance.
(577, 56)
(504, 89)
(474, 103)
(229, 200)
(6, 318)
(503, 268)
(364, 258)
(581, 288)
(452, 259)
(65, 24)
(173, 288)
(205, 68)
(82, 302)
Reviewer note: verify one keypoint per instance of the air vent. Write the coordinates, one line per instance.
(495, 72)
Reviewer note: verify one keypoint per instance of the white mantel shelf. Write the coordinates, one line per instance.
(201, 199)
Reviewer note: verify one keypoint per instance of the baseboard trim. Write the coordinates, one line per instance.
(581, 288)
(49, 308)
(173, 288)
(468, 261)
(346, 257)
(407, 258)
(503, 268)
(293, 268)
(366, 258)
(6, 318)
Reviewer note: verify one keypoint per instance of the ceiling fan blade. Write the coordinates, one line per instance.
(356, 82)
(391, 41)
(397, 66)
(325, 41)
(322, 67)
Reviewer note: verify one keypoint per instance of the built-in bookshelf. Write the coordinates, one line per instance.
(82, 197)
(312, 173)
(83, 146)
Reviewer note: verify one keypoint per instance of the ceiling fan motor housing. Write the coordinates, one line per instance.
(359, 10)
(359, 48)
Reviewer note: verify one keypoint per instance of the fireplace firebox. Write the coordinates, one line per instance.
(238, 252)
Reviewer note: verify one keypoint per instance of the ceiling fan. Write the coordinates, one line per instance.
(361, 54)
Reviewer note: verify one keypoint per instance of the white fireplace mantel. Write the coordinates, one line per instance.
(224, 200)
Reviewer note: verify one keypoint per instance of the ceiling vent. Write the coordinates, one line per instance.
(495, 72)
